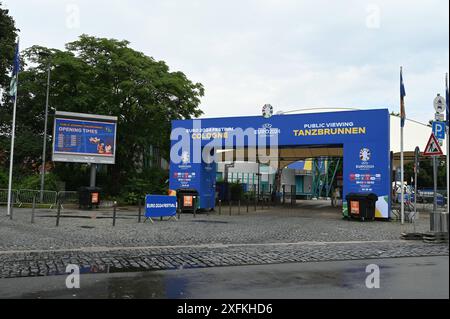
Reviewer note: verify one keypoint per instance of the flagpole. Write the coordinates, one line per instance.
(402, 178)
(11, 159)
(13, 136)
(402, 172)
(447, 140)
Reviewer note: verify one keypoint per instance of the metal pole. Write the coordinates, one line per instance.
(402, 177)
(415, 194)
(11, 157)
(13, 199)
(33, 209)
(259, 179)
(93, 175)
(239, 207)
(434, 219)
(114, 214)
(220, 207)
(140, 210)
(402, 159)
(58, 213)
(255, 202)
(45, 136)
(447, 141)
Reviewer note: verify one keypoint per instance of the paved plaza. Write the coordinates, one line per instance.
(313, 231)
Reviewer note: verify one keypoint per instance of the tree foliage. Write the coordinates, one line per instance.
(425, 176)
(8, 35)
(101, 76)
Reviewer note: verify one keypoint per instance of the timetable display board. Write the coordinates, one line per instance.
(84, 138)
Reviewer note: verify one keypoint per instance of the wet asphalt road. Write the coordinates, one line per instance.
(424, 277)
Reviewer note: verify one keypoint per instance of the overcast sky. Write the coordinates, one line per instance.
(289, 53)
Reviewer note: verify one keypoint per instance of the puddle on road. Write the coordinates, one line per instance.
(148, 285)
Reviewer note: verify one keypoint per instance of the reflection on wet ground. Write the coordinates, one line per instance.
(400, 278)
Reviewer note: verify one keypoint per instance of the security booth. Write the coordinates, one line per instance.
(89, 197)
(361, 137)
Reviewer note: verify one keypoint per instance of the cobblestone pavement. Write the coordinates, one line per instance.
(315, 222)
(313, 232)
(23, 264)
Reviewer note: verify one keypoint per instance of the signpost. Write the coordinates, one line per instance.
(434, 150)
(439, 130)
(439, 104)
(157, 206)
(416, 172)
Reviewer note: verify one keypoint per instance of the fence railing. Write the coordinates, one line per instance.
(23, 197)
(68, 197)
(4, 196)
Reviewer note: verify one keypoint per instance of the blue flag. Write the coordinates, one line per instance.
(402, 100)
(16, 68)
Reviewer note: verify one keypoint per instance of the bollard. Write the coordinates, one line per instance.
(140, 210)
(12, 206)
(33, 209)
(255, 202)
(247, 203)
(220, 207)
(114, 213)
(58, 213)
(229, 206)
(239, 207)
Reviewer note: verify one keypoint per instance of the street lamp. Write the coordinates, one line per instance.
(44, 147)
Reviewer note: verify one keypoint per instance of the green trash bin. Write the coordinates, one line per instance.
(361, 206)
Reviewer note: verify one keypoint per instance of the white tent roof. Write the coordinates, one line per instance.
(415, 134)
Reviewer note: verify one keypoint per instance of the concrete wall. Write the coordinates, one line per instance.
(307, 183)
(288, 177)
(240, 167)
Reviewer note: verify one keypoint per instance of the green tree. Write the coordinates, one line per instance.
(425, 176)
(8, 35)
(102, 76)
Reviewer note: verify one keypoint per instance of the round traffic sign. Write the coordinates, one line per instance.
(439, 104)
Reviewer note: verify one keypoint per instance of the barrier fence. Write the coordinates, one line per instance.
(4, 196)
(23, 197)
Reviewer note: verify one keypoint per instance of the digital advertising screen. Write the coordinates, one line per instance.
(84, 138)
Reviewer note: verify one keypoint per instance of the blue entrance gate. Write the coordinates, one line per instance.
(364, 136)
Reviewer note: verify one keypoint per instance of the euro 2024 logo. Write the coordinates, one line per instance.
(365, 155)
(185, 158)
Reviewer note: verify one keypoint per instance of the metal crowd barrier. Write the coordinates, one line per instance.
(69, 197)
(4, 196)
(25, 196)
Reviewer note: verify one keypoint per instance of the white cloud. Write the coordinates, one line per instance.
(289, 53)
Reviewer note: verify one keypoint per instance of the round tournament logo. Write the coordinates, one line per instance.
(185, 158)
(365, 155)
(267, 111)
